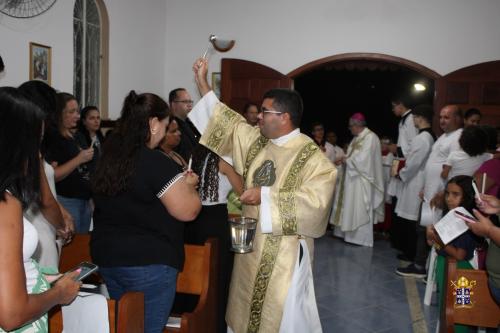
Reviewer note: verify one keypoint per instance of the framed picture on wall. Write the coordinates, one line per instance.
(216, 83)
(40, 62)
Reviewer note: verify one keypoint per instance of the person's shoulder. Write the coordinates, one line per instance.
(146, 153)
(10, 206)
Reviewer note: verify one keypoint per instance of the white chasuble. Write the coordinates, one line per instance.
(359, 201)
(299, 182)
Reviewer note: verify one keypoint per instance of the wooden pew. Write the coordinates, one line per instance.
(198, 278)
(484, 311)
(125, 316)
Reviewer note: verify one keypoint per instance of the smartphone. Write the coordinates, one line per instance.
(87, 268)
(465, 217)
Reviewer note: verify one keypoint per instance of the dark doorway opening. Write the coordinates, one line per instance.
(332, 92)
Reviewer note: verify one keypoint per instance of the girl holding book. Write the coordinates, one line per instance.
(458, 193)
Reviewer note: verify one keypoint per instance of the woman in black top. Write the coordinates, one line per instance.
(141, 200)
(70, 163)
(89, 133)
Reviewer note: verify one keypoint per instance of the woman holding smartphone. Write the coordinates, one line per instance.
(70, 163)
(25, 294)
(89, 133)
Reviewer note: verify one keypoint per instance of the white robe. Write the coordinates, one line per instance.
(412, 176)
(359, 202)
(387, 166)
(442, 148)
(406, 132)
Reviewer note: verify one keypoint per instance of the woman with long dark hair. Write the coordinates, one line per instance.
(141, 199)
(89, 133)
(25, 295)
(70, 163)
(49, 217)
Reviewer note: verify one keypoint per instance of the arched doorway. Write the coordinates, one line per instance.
(473, 86)
(364, 56)
(333, 88)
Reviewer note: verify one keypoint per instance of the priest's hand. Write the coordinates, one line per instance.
(251, 196)
(200, 69)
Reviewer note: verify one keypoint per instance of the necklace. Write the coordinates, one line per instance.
(176, 158)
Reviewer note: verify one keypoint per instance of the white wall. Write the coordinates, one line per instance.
(136, 47)
(154, 42)
(442, 35)
(53, 28)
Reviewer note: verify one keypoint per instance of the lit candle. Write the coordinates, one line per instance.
(483, 185)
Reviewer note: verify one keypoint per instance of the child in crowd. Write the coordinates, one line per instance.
(465, 161)
(458, 193)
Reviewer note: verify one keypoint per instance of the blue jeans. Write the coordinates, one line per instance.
(79, 210)
(157, 282)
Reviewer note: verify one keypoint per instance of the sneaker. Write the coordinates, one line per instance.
(412, 271)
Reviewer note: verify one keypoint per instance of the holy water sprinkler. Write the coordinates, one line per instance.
(221, 45)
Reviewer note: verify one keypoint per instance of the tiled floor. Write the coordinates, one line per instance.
(358, 291)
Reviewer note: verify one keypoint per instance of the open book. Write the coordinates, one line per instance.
(451, 226)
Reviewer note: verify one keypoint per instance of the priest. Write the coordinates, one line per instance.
(359, 200)
(289, 184)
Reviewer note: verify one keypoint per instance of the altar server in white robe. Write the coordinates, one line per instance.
(406, 132)
(359, 201)
(289, 184)
(412, 179)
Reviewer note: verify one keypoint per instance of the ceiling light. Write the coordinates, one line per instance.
(419, 87)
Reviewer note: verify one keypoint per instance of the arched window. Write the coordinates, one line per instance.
(90, 39)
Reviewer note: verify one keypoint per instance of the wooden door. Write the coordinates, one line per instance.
(246, 81)
(476, 86)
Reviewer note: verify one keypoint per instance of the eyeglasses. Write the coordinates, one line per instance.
(270, 111)
(186, 101)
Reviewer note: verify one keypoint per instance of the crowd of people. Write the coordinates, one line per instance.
(163, 176)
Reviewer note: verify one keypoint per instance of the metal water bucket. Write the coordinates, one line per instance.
(242, 233)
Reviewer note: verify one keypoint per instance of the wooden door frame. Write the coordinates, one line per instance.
(365, 56)
(427, 72)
